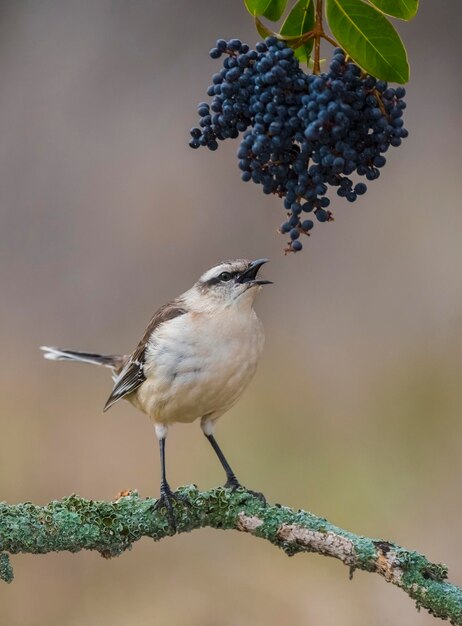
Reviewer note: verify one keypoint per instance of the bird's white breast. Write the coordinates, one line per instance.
(198, 365)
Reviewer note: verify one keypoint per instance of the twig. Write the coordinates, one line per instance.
(74, 524)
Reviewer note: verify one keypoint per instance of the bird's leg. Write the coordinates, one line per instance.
(166, 494)
(231, 480)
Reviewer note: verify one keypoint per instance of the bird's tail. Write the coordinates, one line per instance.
(113, 361)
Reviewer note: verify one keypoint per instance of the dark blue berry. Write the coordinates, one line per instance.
(379, 160)
(322, 215)
(235, 44)
(307, 225)
(303, 134)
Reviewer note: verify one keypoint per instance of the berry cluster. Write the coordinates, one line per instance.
(302, 132)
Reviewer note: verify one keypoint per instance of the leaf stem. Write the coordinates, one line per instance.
(330, 40)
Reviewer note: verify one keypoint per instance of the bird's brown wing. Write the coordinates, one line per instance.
(132, 375)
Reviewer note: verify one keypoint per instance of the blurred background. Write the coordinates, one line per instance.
(105, 213)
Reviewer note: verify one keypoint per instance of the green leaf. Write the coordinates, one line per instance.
(402, 9)
(300, 21)
(302, 55)
(257, 7)
(263, 31)
(275, 9)
(369, 38)
(293, 41)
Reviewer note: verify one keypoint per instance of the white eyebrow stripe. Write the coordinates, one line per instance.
(216, 271)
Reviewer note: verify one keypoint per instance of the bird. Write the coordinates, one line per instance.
(197, 355)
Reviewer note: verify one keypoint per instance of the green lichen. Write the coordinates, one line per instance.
(6, 571)
(74, 524)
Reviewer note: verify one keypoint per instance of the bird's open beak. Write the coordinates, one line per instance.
(249, 276)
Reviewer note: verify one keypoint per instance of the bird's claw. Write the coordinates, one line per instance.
(166, 500)
(233, 484)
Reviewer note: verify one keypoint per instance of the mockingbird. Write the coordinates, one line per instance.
(196, 357)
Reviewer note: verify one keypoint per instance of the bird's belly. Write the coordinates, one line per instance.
(185, 385)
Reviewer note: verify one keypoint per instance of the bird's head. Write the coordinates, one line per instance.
(230, 283)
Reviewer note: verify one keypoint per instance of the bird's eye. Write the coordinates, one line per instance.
(225, 276)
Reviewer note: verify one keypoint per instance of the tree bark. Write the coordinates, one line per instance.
(74, 524)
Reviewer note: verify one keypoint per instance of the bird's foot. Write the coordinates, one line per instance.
(166, 500)
(233, 484)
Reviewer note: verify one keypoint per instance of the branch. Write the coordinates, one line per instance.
(74, 524)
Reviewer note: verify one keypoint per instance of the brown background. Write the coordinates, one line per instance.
(105, 213)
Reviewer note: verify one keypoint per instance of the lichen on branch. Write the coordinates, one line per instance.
(74, 524)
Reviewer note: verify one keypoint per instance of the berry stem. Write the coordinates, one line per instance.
(380, 103)
(318, 32)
